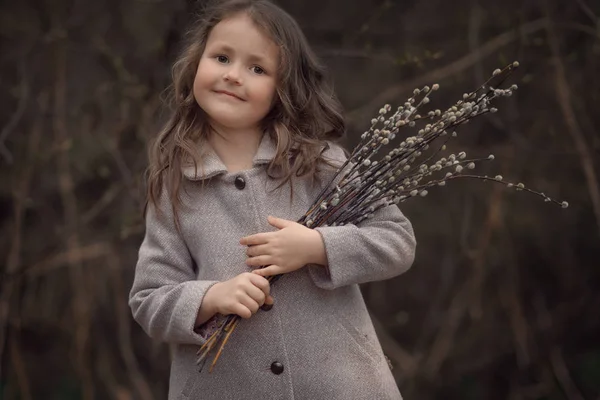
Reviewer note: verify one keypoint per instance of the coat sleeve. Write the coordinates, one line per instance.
(379, 248)
(165, 296)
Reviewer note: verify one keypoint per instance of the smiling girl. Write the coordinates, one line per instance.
(249, 146)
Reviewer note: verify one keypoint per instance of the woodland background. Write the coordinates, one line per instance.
(503, 301)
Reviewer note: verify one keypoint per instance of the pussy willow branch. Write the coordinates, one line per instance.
(365, 185)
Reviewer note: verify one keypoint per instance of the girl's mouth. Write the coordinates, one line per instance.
(225, 92)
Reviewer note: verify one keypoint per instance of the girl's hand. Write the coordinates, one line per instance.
(242, 295)
(286, 250)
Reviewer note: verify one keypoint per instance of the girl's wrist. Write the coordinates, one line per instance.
(207, 308)
(317, 254)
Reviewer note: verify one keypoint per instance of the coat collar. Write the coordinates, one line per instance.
(212, 165)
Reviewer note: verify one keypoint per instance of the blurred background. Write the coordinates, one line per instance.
(503, 301)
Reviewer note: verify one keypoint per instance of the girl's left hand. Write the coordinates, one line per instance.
(286, 250)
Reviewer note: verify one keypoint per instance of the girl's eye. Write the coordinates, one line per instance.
(258, 70)
(222, 59)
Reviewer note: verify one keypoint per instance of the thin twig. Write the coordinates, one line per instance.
(588, 11)
(465, 296)
(124, 328)
(17, 115)
(62, 259)
(81, 312)
(564, 100)
(20, 369)
(405, 361)
(23, 187)
(358, 115)
(562, 375)
(485, 238)
(509, 298)
(103, 202)
(443, 342)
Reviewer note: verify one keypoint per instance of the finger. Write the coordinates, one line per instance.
(259, 261)
(250, 303)
(261, 282)
(253, 240)
(256, 294)
(269, 271)
(278, 223)
(242, 311)
(268, 305)
(256, 250)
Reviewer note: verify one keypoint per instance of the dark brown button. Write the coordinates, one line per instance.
(266, 307)
(277, 368)
(240, 183)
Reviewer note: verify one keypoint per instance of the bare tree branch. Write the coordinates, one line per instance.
(16, 116)
(564, 100)
(360, 114)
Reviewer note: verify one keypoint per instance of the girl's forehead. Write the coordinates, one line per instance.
(240, 28)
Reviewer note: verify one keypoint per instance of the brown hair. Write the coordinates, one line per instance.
(306, 112)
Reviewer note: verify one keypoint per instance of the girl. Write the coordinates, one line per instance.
(252, 136)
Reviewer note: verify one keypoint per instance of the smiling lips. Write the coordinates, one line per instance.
(229, 94)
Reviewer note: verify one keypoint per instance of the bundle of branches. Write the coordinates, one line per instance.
(362, 185)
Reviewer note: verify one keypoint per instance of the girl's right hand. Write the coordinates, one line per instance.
(242, 295)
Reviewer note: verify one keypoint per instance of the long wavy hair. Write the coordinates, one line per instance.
(305, 113)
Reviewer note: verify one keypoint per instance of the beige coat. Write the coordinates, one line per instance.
(318, 341)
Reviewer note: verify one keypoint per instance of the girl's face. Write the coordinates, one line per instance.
(236, 76)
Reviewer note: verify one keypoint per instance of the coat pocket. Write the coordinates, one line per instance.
(362, 340)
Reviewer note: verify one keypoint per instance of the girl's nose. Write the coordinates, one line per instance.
(232, 75)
